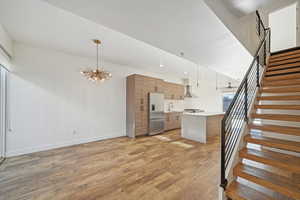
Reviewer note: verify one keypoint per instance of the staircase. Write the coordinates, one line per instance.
(269, 167)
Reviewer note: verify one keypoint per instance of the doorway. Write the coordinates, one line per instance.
(3, 111)
(283, 24)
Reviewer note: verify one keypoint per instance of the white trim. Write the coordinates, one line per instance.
(3, 105)
(64, 144)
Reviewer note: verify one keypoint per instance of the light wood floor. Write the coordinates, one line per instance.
(120, 169)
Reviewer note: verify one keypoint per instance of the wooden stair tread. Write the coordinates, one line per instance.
(281, 83)
(284, 66)
(284, 57)
(279, 98)
(280, 160)
(285, 54)
(279, 117)
(269, 180)
(292, 60)
(238, 191)
(283, 71)
(278, 107)
(280, 90)
(277, 129)
(274, 143)
(282, 77)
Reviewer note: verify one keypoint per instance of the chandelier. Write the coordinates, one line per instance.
(97, 74)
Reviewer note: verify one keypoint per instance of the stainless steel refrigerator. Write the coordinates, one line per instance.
(156, 113)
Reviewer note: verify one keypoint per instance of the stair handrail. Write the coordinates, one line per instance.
(236, 115)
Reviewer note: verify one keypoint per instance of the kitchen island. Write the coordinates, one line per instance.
(200, 126)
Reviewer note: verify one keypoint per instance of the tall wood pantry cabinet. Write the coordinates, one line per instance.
(137, 103)
(138, 88)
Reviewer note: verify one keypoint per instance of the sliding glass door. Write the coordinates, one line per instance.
(3, 110)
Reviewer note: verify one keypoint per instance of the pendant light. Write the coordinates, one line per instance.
(97, 75)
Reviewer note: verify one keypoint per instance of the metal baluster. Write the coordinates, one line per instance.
(265, 53)
(246, 100)
(257, 71)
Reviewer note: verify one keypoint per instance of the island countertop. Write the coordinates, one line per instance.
(204, 113)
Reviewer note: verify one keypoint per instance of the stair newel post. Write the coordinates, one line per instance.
(246, 99)
(223, 147)
(269, 41)
(257, 71)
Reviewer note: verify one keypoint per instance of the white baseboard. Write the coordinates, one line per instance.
(62, 144)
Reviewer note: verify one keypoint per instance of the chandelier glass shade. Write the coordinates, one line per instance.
(96, 74)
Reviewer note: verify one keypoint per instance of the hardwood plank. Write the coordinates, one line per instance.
(274, 143)
(122, 168)
(279, 98)
(278, 107)
(280, 160)
(238, 191)
(277, 129)
(269, 180)
(282, 77)
(280, 90)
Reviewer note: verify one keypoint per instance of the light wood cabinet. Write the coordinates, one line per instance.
(138, 88)
(172, 120)
(173, 91)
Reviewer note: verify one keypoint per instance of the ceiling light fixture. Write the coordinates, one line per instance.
(185, 73)
(97, 74)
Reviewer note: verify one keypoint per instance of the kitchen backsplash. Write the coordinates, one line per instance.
(174, 105)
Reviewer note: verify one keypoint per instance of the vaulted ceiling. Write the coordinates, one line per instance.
(135, 32)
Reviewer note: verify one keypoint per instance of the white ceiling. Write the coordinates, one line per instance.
(172, 25)
(242, 8)
(133, 32)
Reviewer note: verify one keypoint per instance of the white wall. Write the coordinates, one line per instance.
(52, 105)
(6, 43)
(207, 96)
(243, 28)
(283, 24)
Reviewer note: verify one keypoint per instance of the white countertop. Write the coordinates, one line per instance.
(174, 111)
(205, 114)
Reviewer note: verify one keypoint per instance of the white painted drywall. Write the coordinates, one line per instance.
(52, 105)
(6, 43)
(283, 24)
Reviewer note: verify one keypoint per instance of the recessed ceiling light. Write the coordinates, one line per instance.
(185, 72)
(161, 65)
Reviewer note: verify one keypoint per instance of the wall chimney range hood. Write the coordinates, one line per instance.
(188, 93)
(188, 88)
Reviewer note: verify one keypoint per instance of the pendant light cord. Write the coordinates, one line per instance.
(97, 56)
